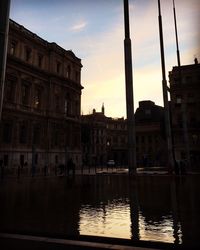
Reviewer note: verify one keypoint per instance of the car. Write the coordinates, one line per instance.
(111, 163)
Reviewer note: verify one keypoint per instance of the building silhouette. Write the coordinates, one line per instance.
(41, 110)
(185, 89)
(105, 138)
(150, 135)
(94, 138)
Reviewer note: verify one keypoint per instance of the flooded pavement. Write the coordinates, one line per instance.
(145, 208)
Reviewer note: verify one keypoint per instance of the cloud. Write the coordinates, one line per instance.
(100, 46)
(79, 26)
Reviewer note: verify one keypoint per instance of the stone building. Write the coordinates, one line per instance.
(94, 138)
(103, 139)
(150, 135)
(117, 141)
(185, 92)
(41, 110)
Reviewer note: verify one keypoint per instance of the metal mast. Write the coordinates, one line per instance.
(4, 25)
(165, 96)
(129, 94)
(183, 105)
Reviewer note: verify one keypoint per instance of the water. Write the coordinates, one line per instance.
(150, 208)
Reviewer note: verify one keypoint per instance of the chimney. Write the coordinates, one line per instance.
(103, 109)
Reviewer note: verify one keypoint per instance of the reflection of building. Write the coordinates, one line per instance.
(150, 141)
(41, 109)
(185, 88)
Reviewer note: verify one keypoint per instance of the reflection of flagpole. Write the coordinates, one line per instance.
(4, 24)
(129, 94)
(165, 96)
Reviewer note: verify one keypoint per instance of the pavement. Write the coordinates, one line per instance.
(18, 241)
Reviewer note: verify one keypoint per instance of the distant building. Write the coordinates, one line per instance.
(105, 138)
(94, 138)
(117, 141)
(185, 88)
(150, 138)
(41, 110)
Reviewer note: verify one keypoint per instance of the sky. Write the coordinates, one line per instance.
(94, 31)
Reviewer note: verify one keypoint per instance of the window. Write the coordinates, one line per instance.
(23, 133)
(77, 110)
(77, 76)
(5, 160)
(21, 160)
(179, 120)
(58, 67)
(115, 139)
(10, 91)
(188, 79)
(142, 139)
(36, 134)
(147, 111)
(28, 53)
(56, 137)
(149, 139)
(176, 80)
(178, 99)
(191, 98)
(38, 99)
(13, 48)
(36, 158)
(68, 71)
(7, 132)
(57, 103)
(25, 91)
(40, 60)
(66, 104)
(123, 139)
(56, 159)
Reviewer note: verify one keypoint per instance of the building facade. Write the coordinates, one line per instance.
(185, 106)
(103, 139)
(150, 135)
(41, 109)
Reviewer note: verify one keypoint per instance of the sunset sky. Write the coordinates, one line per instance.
(94, 31)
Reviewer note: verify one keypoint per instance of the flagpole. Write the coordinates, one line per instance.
(165, 97)
(176, 34)
(183, 105)
(129, 93)
(4, 25)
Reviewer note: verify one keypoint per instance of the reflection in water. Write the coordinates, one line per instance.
(151, 208)
(112, 219)
(162, 231)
